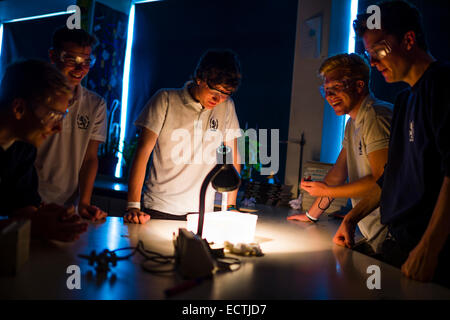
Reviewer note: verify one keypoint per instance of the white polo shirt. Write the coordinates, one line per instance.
(60, 157)
(185, 151)
(368, 133)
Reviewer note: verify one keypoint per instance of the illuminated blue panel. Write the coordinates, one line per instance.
(351, 32)
(351, 38)
(144, 1)
(40, 16)
(126, 79)
(342, 39)
(125, 85)
(1, 38)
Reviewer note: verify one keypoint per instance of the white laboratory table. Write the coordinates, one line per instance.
(300, 262)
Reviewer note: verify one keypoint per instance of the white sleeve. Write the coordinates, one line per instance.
(346, 134)
(100, 123)
(376, 132)
(153, 115)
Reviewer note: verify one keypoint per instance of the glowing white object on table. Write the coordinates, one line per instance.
(224, 201)
(220, 226)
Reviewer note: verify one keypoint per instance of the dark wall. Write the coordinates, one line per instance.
(435, 15)
(28, 39)
(170, 36)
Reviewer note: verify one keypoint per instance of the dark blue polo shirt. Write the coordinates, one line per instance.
(419, 155)
(18, 178)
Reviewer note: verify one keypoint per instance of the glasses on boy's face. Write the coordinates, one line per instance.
(222, 95)
(72, 60)
(50, 117)
(378, 51)
(335, 87)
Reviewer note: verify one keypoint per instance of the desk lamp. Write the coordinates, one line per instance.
(223, 177)
(193, 252)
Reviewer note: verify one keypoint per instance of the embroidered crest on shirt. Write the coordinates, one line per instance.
(411, 131)
(83, 122)
(213, 124)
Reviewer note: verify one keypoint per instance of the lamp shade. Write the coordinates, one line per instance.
(221, 226)
(227, 179)
(223, 177)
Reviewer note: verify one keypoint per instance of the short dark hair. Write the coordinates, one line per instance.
(219, 67)
(397, 18)
(32, 80)
(77, 36)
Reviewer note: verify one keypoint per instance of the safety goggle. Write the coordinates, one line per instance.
(223, 95)
(379, 50)
(337, 88)
(71, 60)
(52, 117)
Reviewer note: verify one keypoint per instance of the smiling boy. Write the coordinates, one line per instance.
(365, 146)
(67, 162)
(415, 196)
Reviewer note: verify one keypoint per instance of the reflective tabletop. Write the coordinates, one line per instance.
(300, 262)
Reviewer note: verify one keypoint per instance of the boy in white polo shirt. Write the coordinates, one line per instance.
(364, 148)
(67, 162)
(184, 127)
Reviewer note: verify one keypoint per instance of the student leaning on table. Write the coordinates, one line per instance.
(365, 146)
(34, 97)
(203, 106)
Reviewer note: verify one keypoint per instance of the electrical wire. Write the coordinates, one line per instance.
(153, 261)
(106, 257)
(150, 256)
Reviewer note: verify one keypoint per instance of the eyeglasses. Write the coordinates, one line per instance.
(337, 88)
(379, 50)
(222, 95)
(52, 117)
(71, 61)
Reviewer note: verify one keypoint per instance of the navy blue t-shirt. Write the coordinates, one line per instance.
(18, 178)
(419, 155)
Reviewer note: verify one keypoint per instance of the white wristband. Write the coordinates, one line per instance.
(310, 218)
(136, 205)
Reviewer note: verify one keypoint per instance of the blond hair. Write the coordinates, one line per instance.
(350, 65)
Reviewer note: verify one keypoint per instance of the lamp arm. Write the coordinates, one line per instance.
(201, 208)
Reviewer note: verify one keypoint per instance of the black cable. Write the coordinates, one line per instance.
(106, 257)
(157, 260)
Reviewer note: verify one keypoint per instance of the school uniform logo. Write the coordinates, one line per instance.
(83, 121)
(411, 131)
(213, 124)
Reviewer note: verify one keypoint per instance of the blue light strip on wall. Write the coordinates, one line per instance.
(40, 16)
(144, 1)
(125, 84)
(1, 38)
(351, 32)
(351, 40)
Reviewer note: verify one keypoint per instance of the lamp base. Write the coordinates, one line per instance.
(14, 246)
(193, 255)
